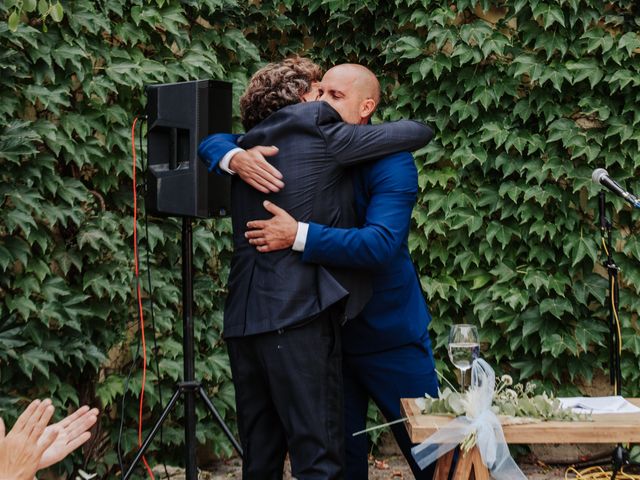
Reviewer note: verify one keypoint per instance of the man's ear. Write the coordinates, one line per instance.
(367, 108)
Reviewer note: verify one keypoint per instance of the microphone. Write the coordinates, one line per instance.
(601, 177)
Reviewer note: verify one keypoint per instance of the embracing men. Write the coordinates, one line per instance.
(284, 307)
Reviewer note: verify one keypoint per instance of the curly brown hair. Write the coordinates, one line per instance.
(276, 86)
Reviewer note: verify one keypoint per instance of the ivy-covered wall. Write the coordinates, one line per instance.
(527, 98)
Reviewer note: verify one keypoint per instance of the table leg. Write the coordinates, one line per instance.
(443, 466)
(470, 466)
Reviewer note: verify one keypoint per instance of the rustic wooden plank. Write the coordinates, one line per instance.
(480, 471)
(606, 428)
(479, 468)
(464, 466)
(443, 466)
(469, 465)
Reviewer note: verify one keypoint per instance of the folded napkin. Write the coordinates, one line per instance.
(596, 405)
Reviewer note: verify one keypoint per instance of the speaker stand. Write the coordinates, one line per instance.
(189, 387)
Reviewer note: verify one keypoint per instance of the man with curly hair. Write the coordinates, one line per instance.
(283, 316)
(276, 86)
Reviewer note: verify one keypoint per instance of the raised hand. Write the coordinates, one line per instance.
(252, 167)
(72, 432)
(277, 233)
(22, 448)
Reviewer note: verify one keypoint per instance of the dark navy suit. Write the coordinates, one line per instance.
(279, 321)
(387, 351)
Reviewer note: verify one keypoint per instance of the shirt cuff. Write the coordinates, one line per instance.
(301, 237)
(226, 160)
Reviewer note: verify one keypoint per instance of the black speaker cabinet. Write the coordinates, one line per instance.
(179, 116)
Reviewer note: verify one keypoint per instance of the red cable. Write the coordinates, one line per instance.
(140, 312)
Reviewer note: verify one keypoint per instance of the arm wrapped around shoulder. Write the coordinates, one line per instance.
(214, 147)
(352, 144)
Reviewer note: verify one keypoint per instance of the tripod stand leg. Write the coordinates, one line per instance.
(223, 426)
(190, 443)
(152, 434)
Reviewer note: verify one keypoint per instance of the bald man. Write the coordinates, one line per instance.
(386, 350)
(283, 316)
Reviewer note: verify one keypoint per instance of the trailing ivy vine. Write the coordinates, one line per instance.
(527, 98)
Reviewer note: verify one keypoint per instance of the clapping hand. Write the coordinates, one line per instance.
(22, 448)
(72, 432)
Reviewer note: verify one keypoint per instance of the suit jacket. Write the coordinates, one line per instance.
(270, 291)
(385, 193)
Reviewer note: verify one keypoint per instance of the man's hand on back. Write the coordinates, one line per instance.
(254, 169)
(277, 233)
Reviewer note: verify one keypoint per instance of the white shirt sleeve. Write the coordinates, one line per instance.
(226, 160)
(301, 237)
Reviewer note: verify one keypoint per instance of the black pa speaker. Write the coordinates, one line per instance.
(179, 116)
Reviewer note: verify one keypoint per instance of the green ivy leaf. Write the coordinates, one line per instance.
(11, 339)
(629, 41)
(557, 344)
(556, 306)
(495, 45)
(29, 5)
(57, 12)
(527, 368)
(43, 7)
(464, 110)
(623, 77)
(38, 359)
(578, 247)
(496, 132)
(109, 389)
(598, 38)
(585, 69)
(536, 279)
(14, 21)
(550, 14)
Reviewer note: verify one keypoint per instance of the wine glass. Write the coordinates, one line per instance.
(464, 348)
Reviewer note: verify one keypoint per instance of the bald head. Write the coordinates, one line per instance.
(353, 90)
(364, 80)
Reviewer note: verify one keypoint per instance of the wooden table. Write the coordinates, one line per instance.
(605, 428)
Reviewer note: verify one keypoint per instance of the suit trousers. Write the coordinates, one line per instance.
(289, 398)
(386, 377)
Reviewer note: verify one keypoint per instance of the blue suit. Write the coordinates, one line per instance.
(386, 350)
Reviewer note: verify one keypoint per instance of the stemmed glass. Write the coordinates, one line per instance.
(464, 348)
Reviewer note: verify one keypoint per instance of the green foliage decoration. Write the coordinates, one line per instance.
(512, 403)
(527, 97)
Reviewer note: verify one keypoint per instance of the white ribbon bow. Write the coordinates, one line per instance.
(481, 419)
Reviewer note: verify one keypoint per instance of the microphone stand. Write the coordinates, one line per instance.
(613, 297)
(620, 455)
